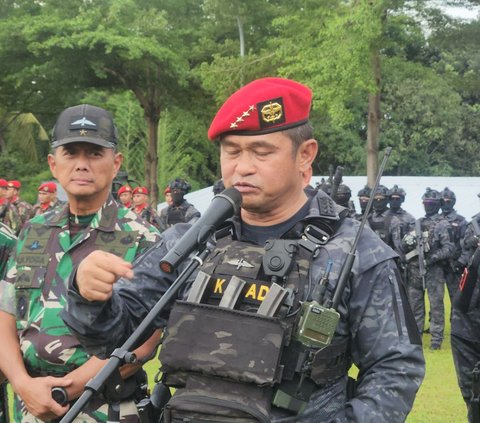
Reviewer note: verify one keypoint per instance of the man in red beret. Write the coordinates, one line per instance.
(267, 332)
(9, 214)
(142, 207)
(125, 195)
(25, 209)
(47, 198)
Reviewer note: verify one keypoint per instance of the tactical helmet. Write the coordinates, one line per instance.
(344, 189)
(382, 190)
(396, 190)
(447, 194)
(431, 194)
(180, 184)
(365, 191)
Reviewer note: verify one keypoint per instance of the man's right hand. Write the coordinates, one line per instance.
(98, 272)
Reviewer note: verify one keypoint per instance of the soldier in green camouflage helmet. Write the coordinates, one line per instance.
(258, 339)
(39, 352)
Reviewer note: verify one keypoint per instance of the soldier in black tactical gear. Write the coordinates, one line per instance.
(453, 268)
(180, 211)
(363, 197)
(471, 240)
(465, 334)
(343, 198)
(438, 249)
(386, 226)
(396, 198)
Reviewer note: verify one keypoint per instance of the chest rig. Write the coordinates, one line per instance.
(241, 342)
(176, 214)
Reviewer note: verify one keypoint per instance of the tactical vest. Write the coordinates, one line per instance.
(382, 228)
(176, 214)
(229, 355)
(38, 283)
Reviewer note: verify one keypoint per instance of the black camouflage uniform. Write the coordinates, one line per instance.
(470, 240)
(453, 268)
(380, 337)
(385, 225)
(438, 249)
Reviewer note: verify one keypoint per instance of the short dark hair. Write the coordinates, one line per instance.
(299, 134)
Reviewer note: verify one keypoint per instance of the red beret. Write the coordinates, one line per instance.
(14, 184)
(3, 183)
(124, 188)
(48, 187)
(167, 190)
(140, 190)
(263, 106)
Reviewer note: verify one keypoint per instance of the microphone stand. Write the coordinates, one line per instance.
(123, 355)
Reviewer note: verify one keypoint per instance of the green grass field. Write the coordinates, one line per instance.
(438, 400)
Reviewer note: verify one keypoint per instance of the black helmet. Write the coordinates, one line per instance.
(180, 184)
(397, 191)
(431, 194)
(365, 191)
(382, 190)
(344, 189)
(447, 194)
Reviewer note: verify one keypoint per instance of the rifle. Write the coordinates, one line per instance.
(337, 180)
(421, 251)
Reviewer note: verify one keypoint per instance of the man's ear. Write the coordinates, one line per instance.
(52, 164)
(118, 160)
(307, 151)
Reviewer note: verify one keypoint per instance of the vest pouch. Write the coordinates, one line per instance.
(217, 341)
(212, 400)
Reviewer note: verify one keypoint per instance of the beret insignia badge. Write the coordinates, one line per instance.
(271, 112)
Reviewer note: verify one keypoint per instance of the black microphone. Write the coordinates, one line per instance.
(223, 206)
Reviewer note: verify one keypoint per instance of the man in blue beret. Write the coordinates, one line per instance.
(267, 333)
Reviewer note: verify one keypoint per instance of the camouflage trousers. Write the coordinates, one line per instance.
(435, 287)
(466, 354)
(95, 411)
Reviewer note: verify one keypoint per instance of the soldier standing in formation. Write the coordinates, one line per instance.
(180, 211)
(363, 197)
(266, 150)
(38, 351)
(124, 195)
(9, 214)
(47, 198)
(141, 206)
(453, 268)
(385, 225)
(438, 248)
(25, 210)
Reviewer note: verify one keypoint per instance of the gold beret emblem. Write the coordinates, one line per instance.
(271, 112)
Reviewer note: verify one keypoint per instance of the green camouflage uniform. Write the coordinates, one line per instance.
(7, 243)
(25, 211)
(35, 287)
(10, 216)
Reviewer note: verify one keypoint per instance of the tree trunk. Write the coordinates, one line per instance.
(151, 157)
(373, 129)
